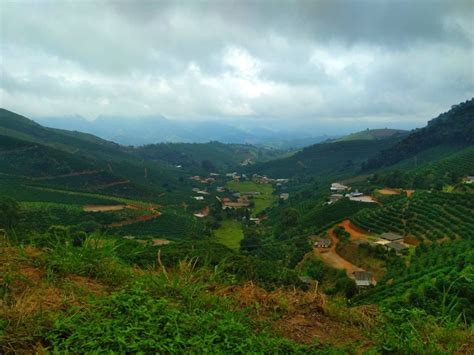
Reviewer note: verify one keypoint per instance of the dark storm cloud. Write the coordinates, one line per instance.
(304, 60)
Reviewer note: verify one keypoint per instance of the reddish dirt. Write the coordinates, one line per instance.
(333, 259)
(143, 218)
(79, 173)
(298, 315)
(103, 208)
(391, 191)
(203, 213)
(107, 208)
(355, 232)
(388, 191)
(87, 284)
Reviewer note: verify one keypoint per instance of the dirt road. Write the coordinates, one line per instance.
(355, 232)
(333, 259)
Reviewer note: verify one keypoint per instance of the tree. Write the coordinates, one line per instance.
(208, 165)
(9, 213)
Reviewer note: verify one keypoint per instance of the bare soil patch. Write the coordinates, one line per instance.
(103, 208)
(159, 242)
(298, 315)
(333, 259)
(355, 232)
(389, 191)
(143, 218)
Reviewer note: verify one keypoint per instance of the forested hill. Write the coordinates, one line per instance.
(455, 127)
(325, 159)
(373, 134)
(212, 156)
(197, 157)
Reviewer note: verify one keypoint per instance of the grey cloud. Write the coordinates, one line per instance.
(300, 60)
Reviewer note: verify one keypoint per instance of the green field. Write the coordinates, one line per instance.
(230, 234)
(262, 201)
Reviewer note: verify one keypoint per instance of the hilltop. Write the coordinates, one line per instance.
(452, 128)
(373, 134)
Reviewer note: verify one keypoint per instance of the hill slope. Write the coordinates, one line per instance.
(325, 159)
(453, 127)
(373, 134)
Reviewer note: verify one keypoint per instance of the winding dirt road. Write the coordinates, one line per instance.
(333, 259)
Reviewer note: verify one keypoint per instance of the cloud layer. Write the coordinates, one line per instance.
(308, 61)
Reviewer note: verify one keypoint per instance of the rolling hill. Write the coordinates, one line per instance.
(373, 134)
(455, 127)
(325, 159)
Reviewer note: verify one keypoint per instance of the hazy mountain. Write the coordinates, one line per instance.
(158, 129)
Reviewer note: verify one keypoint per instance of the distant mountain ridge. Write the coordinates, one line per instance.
(158, 129)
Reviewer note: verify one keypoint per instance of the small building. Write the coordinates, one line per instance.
(335, 197)
(198, 198)
(364, 278)
(398, 247)
(356, 193)
(392, 237)
(338, 187)
(220, 189)
(469, 180)
(254, 220)
(284, 196)
(208, 180)
(214, 174)
(366, 199)
(323, 243)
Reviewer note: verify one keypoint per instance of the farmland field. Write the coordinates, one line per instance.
(229, 234)
(262, 201)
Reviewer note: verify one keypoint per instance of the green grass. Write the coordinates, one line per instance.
(230, 234)
(263, 201)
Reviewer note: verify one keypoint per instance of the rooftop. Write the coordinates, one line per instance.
(391, 236)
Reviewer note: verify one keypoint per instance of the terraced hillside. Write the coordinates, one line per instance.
(436, 279)
(425, 215)
(453, 127)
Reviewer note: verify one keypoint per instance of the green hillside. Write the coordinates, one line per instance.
(437, 279)
(373, 134)
(325, 159)
(426, 215)
(213, 156)
(453, 127)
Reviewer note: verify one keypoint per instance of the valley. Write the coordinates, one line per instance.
(313, 250)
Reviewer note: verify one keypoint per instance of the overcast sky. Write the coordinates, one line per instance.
(300, 61)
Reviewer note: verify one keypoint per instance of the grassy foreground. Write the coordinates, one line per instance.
(85, 299)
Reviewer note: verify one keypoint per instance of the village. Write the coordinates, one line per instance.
(325, 247)
(236, 191)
